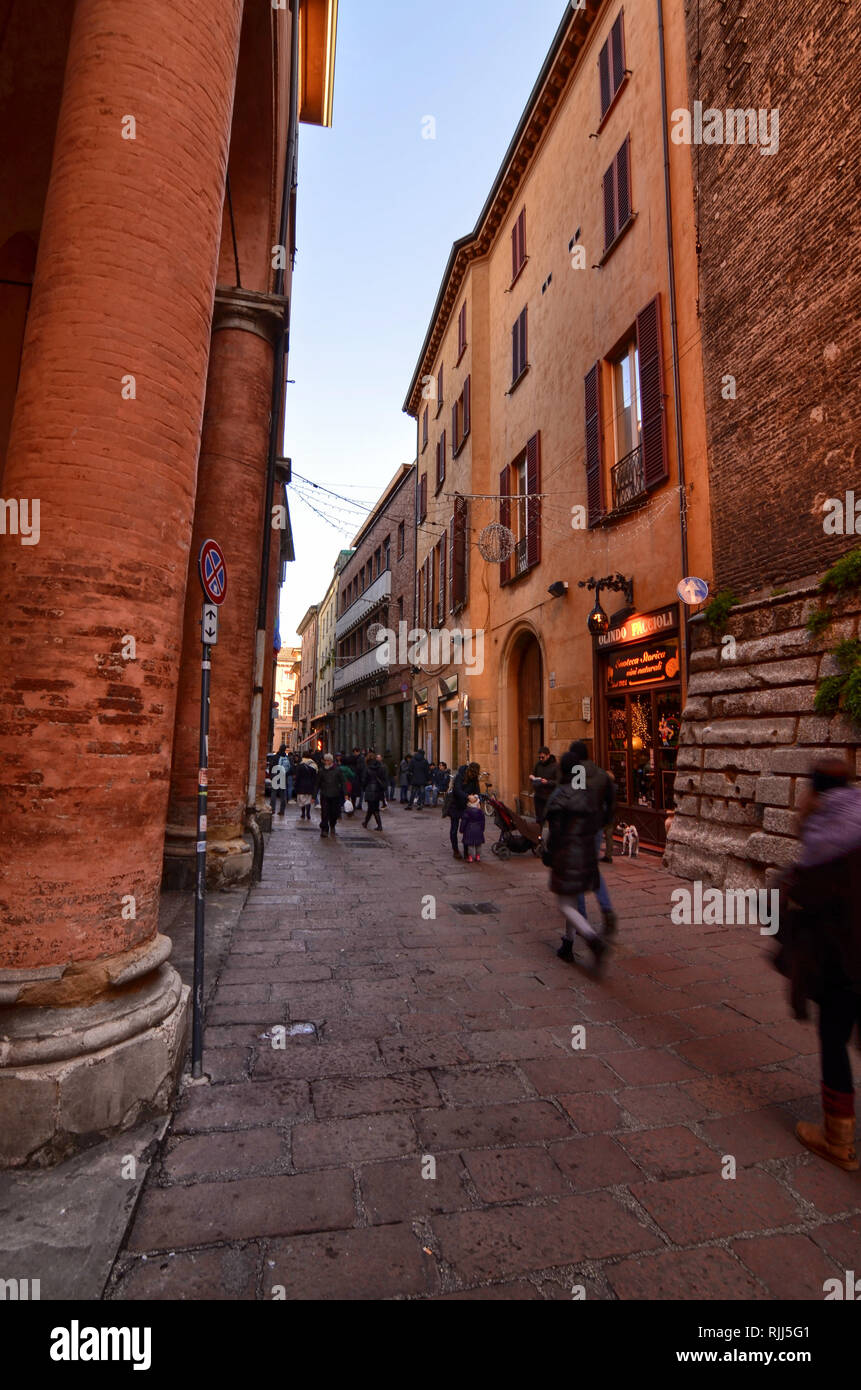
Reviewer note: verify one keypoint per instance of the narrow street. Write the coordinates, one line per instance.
(445, 1046)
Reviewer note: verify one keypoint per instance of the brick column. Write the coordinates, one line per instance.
(105, 434)
(231, 489)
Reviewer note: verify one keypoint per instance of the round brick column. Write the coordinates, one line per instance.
(231, 490)
(105, 435)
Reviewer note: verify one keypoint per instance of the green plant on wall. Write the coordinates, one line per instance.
(717, 612)
(841, 692)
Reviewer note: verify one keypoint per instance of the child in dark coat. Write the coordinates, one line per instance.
(472, 829)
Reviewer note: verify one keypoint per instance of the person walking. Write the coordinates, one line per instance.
(472, 829)
(391, 777)
(418, 774)
(464, 786)
(820, 938)
(570, 853)
(307, 778)
(278, 781)
(429, 788)
(602, 791)
(404, 779)
(333, 791)
(358, 764)
(544, 777)
(375, 789)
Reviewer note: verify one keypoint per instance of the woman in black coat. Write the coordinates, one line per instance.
(569, 840)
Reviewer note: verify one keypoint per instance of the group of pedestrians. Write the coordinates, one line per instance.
(334, 782)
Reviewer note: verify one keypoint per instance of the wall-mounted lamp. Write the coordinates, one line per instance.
(558, 589)
(598, 622)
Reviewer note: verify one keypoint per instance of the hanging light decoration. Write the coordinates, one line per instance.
(598, 622)
(496, 543)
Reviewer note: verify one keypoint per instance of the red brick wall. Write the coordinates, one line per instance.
(780, 283)
(85, 736)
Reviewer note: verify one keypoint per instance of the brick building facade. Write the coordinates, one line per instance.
(372, 699)
(780, 297)
(142, 357)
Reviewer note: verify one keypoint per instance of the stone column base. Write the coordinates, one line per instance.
(70, 1077)
(229, 861)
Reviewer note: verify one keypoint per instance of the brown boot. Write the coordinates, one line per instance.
(834, 1139)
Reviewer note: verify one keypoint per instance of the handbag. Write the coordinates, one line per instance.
(349, 808)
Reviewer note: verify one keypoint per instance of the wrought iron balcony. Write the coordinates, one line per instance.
(374, 595)
(521, 556)
(629, 482)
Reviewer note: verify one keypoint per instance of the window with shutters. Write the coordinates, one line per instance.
(518, 245)
(423, 497)
(441, 581)
(519, 345)
(611, 65)
(458, 536)
(618, 212)
(439, 392)
(461, 331)
(636, 436)
(440, 461)
(520, 510)
(460, 413)
(425, 428)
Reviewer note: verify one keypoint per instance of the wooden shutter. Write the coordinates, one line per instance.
(605, 80)
(442, 581)
(429, 592)
(533, 505)
(610, 206)
(466, 407)
(459, 553)
(455, 439)
(623, 185)
(515, 351)
(439, 386)
(451, 563)
(514, 242)
(652, 406)
(423, 497)
(523, 354)
(594, 463)
(617, 52)
(442, 458)
(505, 519)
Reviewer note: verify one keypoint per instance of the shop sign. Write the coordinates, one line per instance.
(655, 662)
(641, 626)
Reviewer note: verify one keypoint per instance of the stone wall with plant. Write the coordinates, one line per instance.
(774, 684)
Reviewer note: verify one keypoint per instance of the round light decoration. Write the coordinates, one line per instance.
(496, 543)
(693, 590)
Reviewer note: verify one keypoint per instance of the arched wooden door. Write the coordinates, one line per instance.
(530, 715)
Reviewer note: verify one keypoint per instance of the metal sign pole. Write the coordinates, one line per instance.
(200, 888)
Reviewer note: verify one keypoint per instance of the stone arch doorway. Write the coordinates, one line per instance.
(523, 724)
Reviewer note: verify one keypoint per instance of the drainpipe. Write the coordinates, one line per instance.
(674, 328)
(276, 415)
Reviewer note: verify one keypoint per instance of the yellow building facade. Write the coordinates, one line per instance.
(585, 454)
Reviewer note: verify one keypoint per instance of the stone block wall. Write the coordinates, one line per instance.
(750, 736)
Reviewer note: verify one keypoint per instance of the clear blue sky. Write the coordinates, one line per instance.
(378, 210)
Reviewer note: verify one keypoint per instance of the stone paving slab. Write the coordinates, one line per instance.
(470, 1117)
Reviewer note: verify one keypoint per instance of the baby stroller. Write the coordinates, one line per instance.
(517, 835)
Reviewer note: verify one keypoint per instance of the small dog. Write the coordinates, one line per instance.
(630, 841)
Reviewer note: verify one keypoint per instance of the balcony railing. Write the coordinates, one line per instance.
(629, 482)
(374, 595)
(521, 556)
(364, 668)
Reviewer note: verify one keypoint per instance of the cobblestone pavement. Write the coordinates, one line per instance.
(298, 1172)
